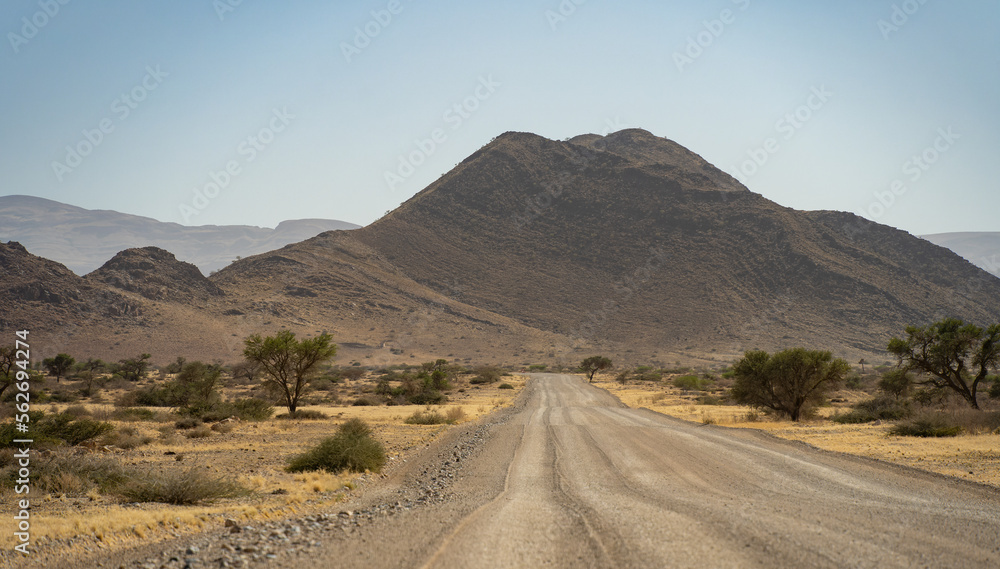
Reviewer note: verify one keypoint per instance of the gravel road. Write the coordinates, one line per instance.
(571, 478)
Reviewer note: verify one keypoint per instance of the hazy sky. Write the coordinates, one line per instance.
(254, 111)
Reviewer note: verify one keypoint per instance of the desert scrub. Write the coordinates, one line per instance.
(304, 414)
(505, 386)
(882, 408)
(181, 487)
(690, 383)
(126, 437)
(54, 430)
(64, 474)
(352, 448)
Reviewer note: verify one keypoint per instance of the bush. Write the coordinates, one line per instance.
(181, 488)
(930, 427)
(486, 374)
(690, 383)
(199, 432)
(304, 414)
(72, 475)
(126, 438)
(364, 402)
(253, 409)
(505, 386)
(426, 418)
(134, 414)
(72, 431)
(352, 448)
(994, 391)
(883, 408)
(187, 422)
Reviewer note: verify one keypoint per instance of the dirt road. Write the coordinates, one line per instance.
(570, 478)
(573, 479)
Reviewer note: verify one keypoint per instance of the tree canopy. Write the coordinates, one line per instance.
(58, 365)
(287, 363)
(953, 356)
(789, 382)
(594, 364)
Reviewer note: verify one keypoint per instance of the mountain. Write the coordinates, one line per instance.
(981, 248)
(534, 250)
(85, 239)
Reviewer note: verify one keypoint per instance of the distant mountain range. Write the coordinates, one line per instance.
(84, 239)
(980, 248)
(529, 251)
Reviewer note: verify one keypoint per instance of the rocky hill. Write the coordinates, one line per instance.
(155, 274)
(533, 250)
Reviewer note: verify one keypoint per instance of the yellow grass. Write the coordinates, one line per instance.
(970, 457)
(256, 452)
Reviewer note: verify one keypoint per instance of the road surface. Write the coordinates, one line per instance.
(571, 478)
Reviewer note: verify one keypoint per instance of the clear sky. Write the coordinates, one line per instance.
(253, 111)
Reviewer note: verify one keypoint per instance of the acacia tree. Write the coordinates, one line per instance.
(789, 382)
(59, 365)
(952, 354)
(133, 369)
(7, 371)
(89, 371)
(594, 364)
(287, 363)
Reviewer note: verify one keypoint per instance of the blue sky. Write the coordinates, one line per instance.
(252, 112)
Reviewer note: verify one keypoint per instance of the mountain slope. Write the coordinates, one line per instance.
(632, 239)
(85, 239)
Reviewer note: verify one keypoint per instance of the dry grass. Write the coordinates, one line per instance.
(967, 456)
(257, 450)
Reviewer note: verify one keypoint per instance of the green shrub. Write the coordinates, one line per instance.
(187, 422)
(127, 438)
(690, 383)
(200, 432)
(135, 414)
(882, 408)
(72, 475)
(352, 448)
(365, 402)
(925, 428)
(711, 400)
(72, 431)
(181, 488)
(505, 386)
(304, 414)
(253, 409)
(994, 391)
(426, 418)
(486, 374)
